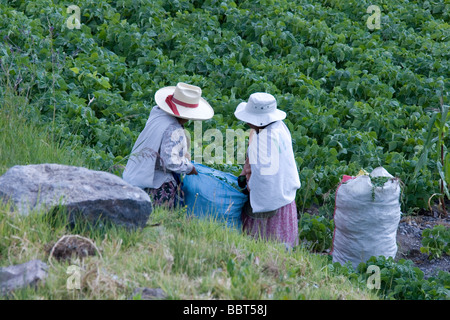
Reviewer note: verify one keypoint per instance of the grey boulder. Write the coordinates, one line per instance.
(94, 196)
(22, 275)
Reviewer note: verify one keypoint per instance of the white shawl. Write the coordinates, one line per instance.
(274, 179)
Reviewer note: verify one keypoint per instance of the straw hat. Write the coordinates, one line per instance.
(260, 110)
(184, 101)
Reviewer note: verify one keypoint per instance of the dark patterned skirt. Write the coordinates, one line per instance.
(168, 195)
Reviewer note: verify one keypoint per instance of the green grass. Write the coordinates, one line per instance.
(23, 142)
(188, 258)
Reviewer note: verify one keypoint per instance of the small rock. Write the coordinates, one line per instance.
(70, 246)
(22, 275)
(149, 294)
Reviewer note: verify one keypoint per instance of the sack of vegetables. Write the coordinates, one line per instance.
(366, 217)
(214, 194)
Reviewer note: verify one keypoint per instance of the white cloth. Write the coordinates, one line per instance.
(159, 150)
(366, 219)
(274, 179)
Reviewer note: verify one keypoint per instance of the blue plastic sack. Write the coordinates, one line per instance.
(210, 194)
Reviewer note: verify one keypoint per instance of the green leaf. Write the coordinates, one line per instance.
(444, 113)
(424, 250)
(104, 81)
(447, 168)
(442, 175)
(427, 146)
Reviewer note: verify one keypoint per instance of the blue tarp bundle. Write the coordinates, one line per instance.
(208, 196)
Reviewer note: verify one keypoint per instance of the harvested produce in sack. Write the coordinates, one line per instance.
(366, 217)
(216, 194)
(231, 183)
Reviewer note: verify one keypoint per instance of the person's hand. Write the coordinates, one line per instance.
(193, 171)
(247, 171)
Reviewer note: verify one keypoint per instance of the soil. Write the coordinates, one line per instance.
(409, 241)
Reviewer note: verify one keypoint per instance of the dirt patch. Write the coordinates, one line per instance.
(409, 240)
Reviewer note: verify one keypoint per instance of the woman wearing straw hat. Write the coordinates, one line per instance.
(159, 154)
(270, 172)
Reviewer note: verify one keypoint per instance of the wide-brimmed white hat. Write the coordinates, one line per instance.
(184, 101)
(260, 110)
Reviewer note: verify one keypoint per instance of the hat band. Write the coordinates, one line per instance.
(171, 100)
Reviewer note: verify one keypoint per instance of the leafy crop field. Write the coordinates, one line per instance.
(355, 98)
(170, 253)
